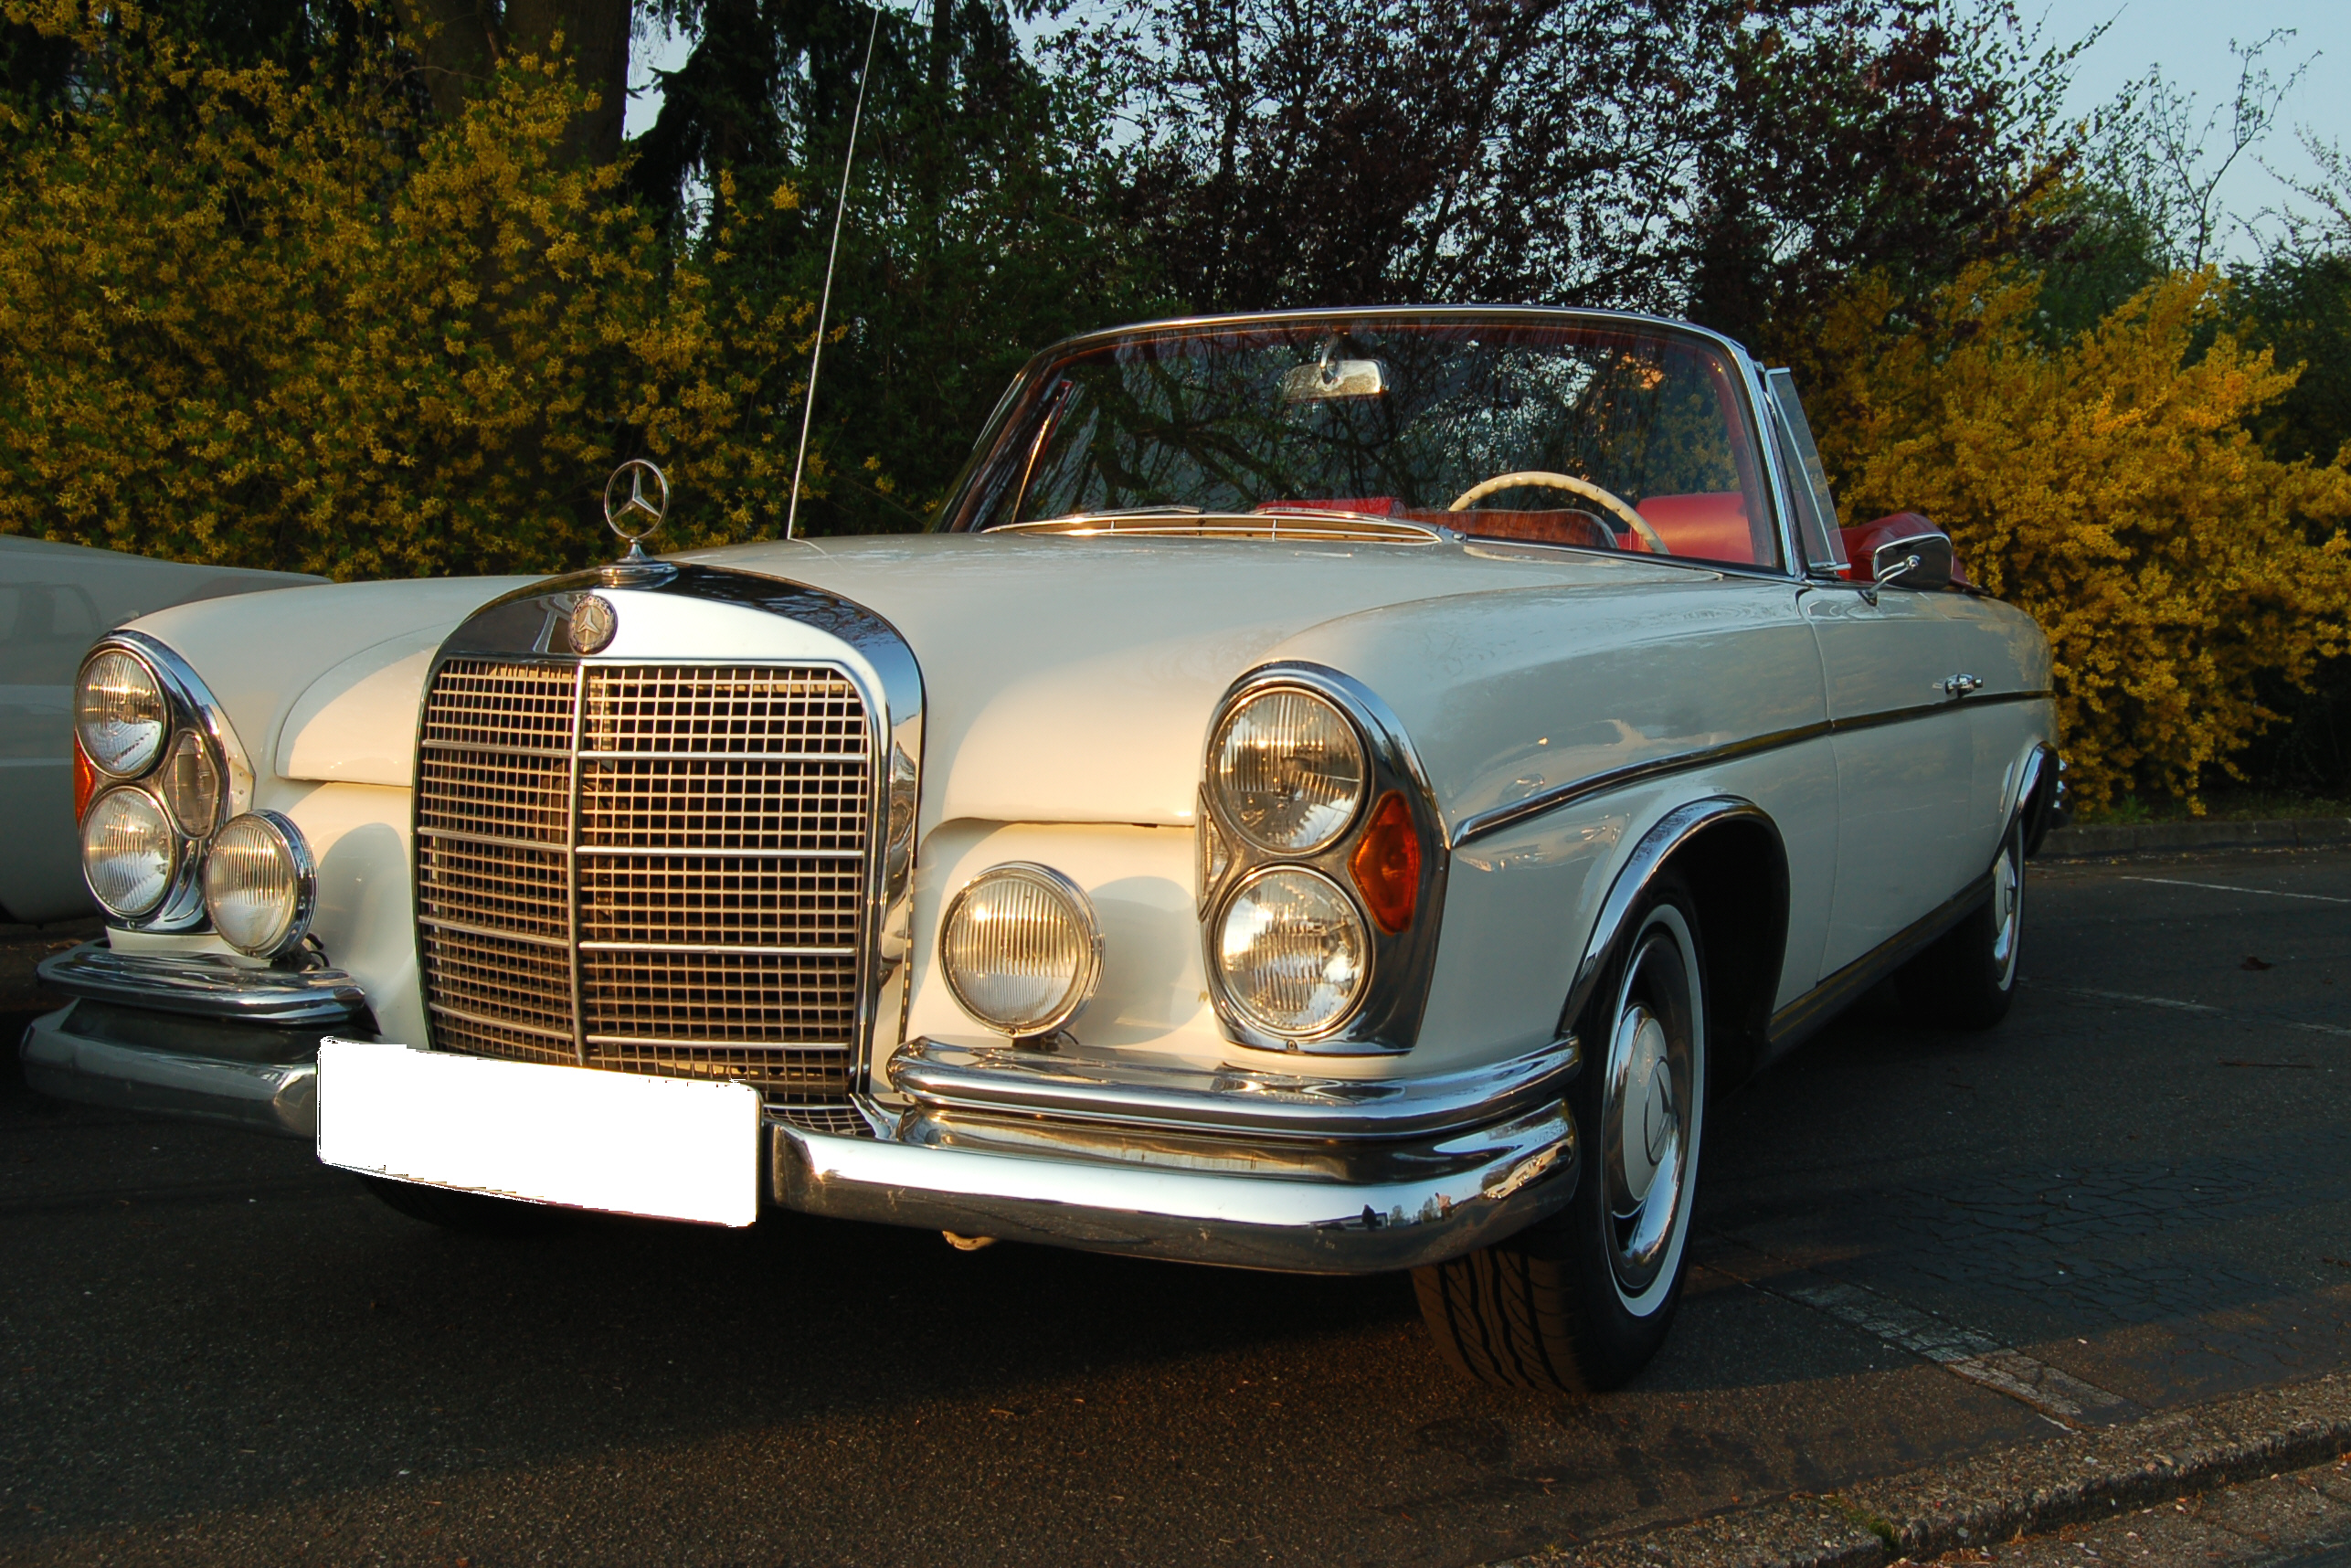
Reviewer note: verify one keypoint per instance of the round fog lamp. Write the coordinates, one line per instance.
(259, 884)
(1288, 771)
(118, 713)
(1020, 949)
(1293, 953)
(128, 851)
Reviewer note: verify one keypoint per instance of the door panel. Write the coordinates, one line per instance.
(1905, 761)
(2001, 647)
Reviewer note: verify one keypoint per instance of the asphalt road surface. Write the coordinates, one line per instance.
(1911, 1244)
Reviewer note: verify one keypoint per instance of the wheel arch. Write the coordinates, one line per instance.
(1731, 853)
(2040, 797)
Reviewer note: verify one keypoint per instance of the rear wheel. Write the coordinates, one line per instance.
(1968, 978)
(474, 1213)
(1581, 1301)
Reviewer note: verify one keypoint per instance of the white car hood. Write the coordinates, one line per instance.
(1072, 680)
(1064, 679)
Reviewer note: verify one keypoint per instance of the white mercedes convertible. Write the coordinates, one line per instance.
(1333, 791)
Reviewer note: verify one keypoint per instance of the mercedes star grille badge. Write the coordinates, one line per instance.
(593, 622)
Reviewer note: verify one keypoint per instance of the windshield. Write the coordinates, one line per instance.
(1598, 435)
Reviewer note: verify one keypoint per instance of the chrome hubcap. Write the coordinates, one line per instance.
(2007, 913)
(1648, 1111)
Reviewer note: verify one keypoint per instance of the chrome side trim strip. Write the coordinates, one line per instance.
(205, 985)
(1559, 795)
(1500, 817)
(1817, 1007)
(1951, 703)
(1125, 1091)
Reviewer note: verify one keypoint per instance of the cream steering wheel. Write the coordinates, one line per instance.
(1583, 487)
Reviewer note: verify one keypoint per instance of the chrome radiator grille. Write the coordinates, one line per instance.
(651, 868)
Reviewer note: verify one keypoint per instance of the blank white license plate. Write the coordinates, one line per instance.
(672, 1148)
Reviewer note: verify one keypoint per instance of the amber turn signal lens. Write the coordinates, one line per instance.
(85, 780)
(1387, 865)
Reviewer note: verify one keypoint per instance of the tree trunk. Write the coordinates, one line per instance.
(461, 42)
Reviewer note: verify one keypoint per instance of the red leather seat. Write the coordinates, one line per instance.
(1711, 526)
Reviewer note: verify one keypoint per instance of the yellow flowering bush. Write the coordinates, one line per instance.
(2111, 488)
(262, 320)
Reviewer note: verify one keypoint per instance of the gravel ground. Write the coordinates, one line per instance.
(1913, 1247)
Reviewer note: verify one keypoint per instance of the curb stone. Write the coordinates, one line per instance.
(2145, 838)
(2023, 1490)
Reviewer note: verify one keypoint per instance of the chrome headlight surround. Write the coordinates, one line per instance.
(191, 711)
(1084, 933)
(162, 838)
(274, 835)
(1385, 1014)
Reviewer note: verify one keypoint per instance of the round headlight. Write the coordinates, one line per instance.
(1288, 771)
(258, 883)
(1020, 949)
(1293, 953)
(190, 783)
(120, 714)
(128, 851)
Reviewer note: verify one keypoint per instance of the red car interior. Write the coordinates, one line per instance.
(1710, 525)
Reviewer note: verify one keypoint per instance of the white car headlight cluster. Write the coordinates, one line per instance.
(1288, 773)
(1314, 857)
(152, 789)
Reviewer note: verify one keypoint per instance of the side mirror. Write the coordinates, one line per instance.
(1920, 561)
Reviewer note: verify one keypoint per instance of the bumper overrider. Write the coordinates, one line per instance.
(1229, 1165)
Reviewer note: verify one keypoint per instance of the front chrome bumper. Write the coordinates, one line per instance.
(1238, 1166)
(202, 1069)
(1232, 1166)
(1329, 1208)
(206, 985)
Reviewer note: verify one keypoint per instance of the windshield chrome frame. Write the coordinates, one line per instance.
(1750, 375)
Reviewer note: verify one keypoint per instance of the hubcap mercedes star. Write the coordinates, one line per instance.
(1649, 1111)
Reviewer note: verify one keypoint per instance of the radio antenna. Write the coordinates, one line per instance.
(824, 302)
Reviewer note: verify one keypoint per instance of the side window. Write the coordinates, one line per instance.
(1815, 512)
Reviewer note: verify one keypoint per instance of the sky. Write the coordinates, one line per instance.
(2189, 39)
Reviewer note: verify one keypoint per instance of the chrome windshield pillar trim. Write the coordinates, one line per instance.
(194, 709)
(532, 624)
(193, 1078)
(1121, 1090)
(1387, 1020)
(1670, 832)
(1214, 1200)
(205, 985)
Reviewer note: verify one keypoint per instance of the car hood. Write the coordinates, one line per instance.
(1064, 679)
(1072, 679)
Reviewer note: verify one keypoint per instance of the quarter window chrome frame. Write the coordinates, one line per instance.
(1386, 1018)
